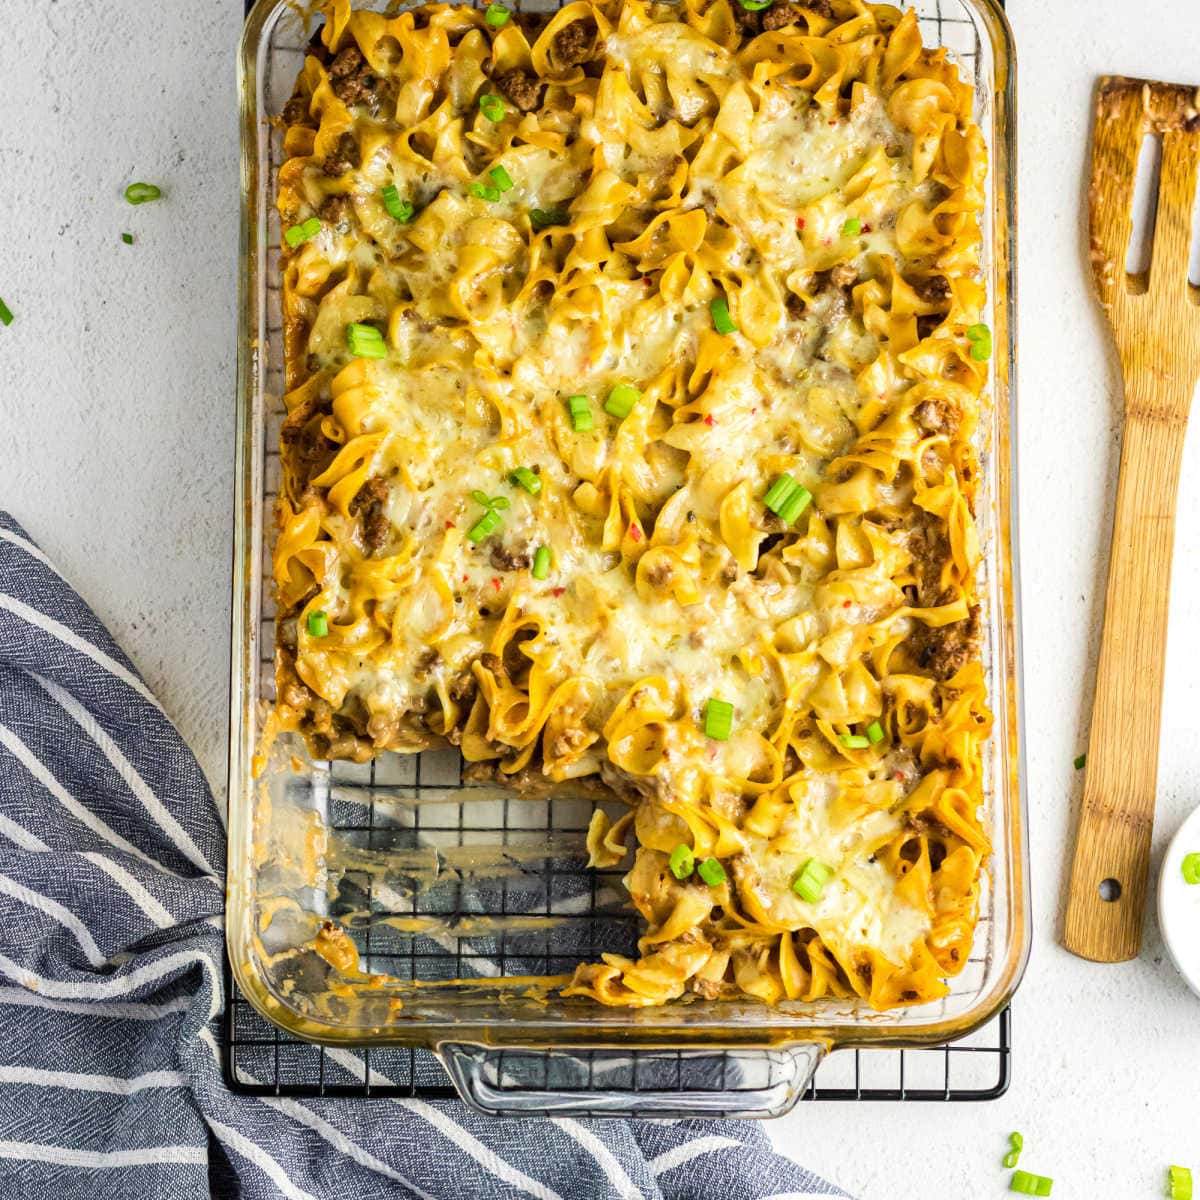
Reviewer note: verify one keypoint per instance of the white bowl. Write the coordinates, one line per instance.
(1179, 903)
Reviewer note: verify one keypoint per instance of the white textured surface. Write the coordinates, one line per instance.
(117, 396)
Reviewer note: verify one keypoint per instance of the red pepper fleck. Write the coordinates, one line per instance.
(709, 421)
(449, 524)
(496, 583)
(558, 591)
(833, 122)
(753, 411)
(465, 578)
(845, 603)
(635, 532)
(866, 229)
(898, 776)
(799, 222)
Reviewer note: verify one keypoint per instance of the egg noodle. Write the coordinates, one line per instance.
(634, 354)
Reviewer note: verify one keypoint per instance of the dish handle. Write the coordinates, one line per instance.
(740, 1083)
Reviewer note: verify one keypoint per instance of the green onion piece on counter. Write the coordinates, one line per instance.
(398, 210)
(6, 317)
(485, 191)
(795, 504)
(854, 741)
(543, 218)
(754, 5)
(581, 414)
(127, 238)
(711, 872)
(492, 107)
(1080, 760)
(496, 15)
(722, 321)
(502, 179)
(874, 733)
(811, 881)
(541, 562)
(980, 337)
(318, 624)
(1016, 1144)
(718, 720)
(488, 523)
(1030, 1185)
(1191, 868)
(523, 477)
(779, 492)
(621, 400)
(365, 341)
(682, 861)
(1179, 1183)
(139, 193)
(851, 227)
(296, 235)
(1011, 1159)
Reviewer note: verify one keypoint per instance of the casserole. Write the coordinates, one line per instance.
(305, 848)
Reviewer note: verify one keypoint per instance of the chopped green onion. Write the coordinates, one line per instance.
(1030, 1185)
(779, 491)
(811, 881)
(719, 311)
(541, 562)
(1080, 760)
(502, 179)
(851, 227)
(488, 523)
(523, 477)
(481, 498)
(581, 413)
(795, 504)
(682, 861)
(139, 193)
(718, 720)
(496, 15)
(621, 400)
(543, 218)
(295, 235)
(6, 317)
(399, 210)
(853, 741)
(485, 191)
(711, 872)
(1179, 1183)
(754, 5)
(1191, 868)
(498, 502)
(318, 624)
(365, 341)
(1016, 1144)
(127, 238)
(874, 733)
(492, 107)
(980, 337)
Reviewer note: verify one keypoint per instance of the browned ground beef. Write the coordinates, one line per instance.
(937, 416)
(573, 43)
(750, 23)
(933, 289)
(338, 211)
(947, 650)
(821, 7)
(352, 79)
(781, 14)
(369, 506)
(930, 548)
(295, 111)
(795, 307)
(843, 275)
(343, 158)
(504, 559)
(491, 662)
(522, 88)
(463, 687)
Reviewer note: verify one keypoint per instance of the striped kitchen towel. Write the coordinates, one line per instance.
(111, 909)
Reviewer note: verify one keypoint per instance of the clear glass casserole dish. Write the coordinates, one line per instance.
(460, 900)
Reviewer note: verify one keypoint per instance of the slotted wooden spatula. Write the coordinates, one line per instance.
(1156, 322)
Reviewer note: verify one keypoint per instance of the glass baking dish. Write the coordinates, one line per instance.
(460, 900)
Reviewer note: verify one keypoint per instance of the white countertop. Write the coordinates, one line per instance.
(116, 393)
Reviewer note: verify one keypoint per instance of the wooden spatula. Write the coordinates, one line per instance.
(1156, 322)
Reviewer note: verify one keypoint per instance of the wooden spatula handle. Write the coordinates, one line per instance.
(1112, 851)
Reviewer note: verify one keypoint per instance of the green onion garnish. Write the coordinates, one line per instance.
(711, 872)
(874, 733)
(811, 880)
(496, 15)
(1016, 1144)
(485, 191)
(581, 413)
(127, 238)
(492, 107)
(621, 400)
(980, 337)
(853, 741)
(294, 235)
(851, 227)
(318, 624)
(543, 218)
(718, 720)
(1179, 1183)
(541, 562)
(365, 341)
(795, 504)
(719, 311)
(787, 499)
(523, 477)
(779, 491)
(1191, 868)
(1030, 1185)
(488, 523)
(399, 210)
(1080, 760)
(682, 861)
(502, 179)
(754, 5)
(139, 193)
(6, 317)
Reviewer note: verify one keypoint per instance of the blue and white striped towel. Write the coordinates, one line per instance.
(111, 903)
